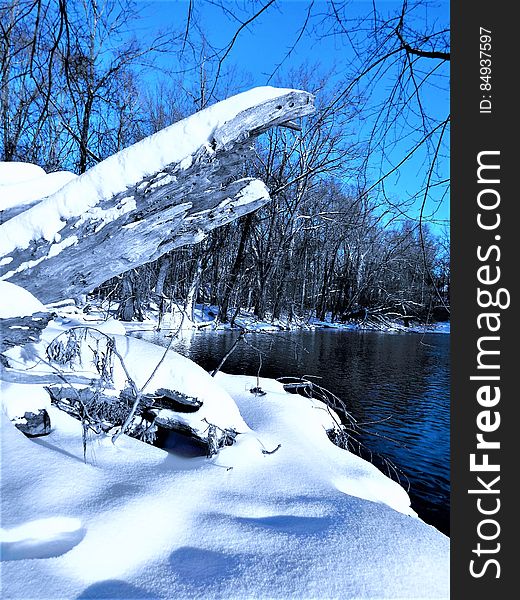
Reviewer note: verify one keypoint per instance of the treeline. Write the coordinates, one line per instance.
(333, 258)
(77, 86)
(71, 81)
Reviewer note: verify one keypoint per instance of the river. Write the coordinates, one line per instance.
(396, 385)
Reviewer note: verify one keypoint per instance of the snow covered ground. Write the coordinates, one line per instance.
(308, 520)
(282, 513)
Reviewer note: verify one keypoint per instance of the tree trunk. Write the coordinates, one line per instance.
(281, 287)
(235, 270)
(260, 292)
(85, 130)
(193, 292)
(321, 311)
(164, 267)
(130, 307)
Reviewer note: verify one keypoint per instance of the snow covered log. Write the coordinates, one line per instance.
(22, 318)
(169, 409)
(18, 331)
(166, 191)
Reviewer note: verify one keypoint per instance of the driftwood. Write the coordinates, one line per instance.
(172, 400)
(10, 375)
(163, 211)
(17, 331)
(34, 424)
(167, 409)
(163, 399)
(160, 400)
(209, 437)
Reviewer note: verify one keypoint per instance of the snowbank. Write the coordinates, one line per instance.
(27, 191)
(18, 172)
(283, 513)
(140, 361)
(138, 522)
(17, 302)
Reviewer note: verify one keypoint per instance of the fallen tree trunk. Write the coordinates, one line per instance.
(18, 331)
(169, 409)
(164, 192)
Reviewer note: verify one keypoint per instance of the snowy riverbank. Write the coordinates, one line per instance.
(308, 520)
(204, 317)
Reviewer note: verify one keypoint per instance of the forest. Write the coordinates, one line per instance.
(80, 81)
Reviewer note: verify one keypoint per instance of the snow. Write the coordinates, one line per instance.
(255, 189)
(18, 172)
(17, 302)
(140, 359)
(23, 192)
(439, 327)
(82, 195)
(205, 317)
(138, 521)
(104, 216)
(309, 520)
(17, 399)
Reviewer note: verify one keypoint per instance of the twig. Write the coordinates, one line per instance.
(272, 451)
(229, 353)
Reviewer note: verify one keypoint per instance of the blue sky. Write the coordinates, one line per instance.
(262, 46)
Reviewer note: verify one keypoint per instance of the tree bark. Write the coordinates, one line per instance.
(164, 266)
(130, 304)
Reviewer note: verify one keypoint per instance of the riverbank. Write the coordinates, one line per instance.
(281, 513)
(398, 383)
(205, 317)
(399, 393)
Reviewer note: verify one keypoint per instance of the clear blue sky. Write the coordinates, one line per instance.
(260, 47)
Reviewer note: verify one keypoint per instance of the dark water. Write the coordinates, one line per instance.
(402, 376)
